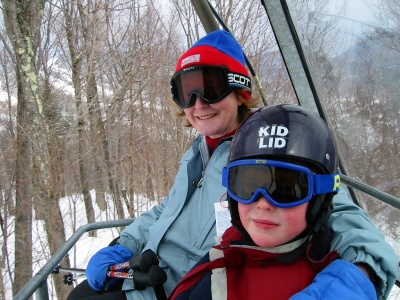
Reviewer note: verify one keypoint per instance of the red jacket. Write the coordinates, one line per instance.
(238, 271)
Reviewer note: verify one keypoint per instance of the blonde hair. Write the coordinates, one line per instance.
(243, 110)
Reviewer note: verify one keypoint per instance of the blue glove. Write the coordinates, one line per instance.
(96, 270)
(339, 280)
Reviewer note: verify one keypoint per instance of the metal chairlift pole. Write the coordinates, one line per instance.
(299, 74)
(38, 283)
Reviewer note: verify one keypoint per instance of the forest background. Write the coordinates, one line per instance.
(85, 109)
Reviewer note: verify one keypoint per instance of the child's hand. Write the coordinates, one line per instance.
(339, 280)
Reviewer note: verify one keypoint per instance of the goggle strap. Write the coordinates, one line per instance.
(225, 177)
(239, 81)
(324, 184)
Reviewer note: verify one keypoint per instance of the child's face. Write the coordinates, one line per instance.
(271, 226)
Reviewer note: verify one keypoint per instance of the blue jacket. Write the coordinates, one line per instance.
(181, 230)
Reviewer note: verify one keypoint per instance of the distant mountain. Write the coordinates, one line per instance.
(374, 60)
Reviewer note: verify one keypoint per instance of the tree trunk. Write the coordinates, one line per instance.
(22, 27)
(97, 125)
(54, 223)
(33, 166)
(100, 134)
(69, 12)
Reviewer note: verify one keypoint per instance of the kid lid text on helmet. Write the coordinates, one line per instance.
(272, 136)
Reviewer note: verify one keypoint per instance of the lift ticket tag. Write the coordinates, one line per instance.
(222, 217)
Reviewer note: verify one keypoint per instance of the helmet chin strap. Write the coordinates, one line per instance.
(302, 241)
(316, 230)
(242, 231)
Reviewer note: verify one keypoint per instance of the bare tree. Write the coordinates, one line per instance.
(23, 34)
(75, 45)
(7, 169)
(36, 177)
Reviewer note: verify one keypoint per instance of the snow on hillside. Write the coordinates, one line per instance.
(87, 246)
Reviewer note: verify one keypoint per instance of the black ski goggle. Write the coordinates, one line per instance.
(210, 83)
(282, 184)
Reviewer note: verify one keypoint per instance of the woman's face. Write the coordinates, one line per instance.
(214, 120)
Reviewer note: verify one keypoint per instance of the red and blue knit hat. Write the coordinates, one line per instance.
(218, 48)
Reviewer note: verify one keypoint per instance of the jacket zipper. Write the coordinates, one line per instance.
(201, 179)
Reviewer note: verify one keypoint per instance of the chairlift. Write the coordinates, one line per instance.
(310, 88)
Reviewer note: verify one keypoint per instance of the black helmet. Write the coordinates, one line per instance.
(287, 132)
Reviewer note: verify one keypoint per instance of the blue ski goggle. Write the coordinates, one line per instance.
(210, 83)
(282, 184)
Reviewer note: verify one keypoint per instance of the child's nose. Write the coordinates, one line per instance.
(263, 203)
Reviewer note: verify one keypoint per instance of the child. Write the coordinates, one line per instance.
(281, 176)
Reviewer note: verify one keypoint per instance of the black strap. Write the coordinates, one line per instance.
(194, 168)
(160, 293)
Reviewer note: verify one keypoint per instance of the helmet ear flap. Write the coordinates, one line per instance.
(235, 218)
(314, 209)
(318, 211)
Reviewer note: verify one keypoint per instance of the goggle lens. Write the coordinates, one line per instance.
(282, 184)
(211, 84)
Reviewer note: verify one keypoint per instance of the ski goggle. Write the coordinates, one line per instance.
(210, 83)
(282, 184)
